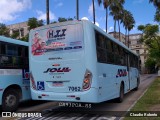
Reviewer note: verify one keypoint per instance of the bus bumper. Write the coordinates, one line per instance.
(90, 96)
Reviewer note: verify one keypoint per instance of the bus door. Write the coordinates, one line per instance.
(129, 72)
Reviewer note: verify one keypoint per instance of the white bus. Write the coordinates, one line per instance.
(14, 73)
(77, 61)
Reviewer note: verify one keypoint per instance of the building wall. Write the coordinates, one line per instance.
(21, 28)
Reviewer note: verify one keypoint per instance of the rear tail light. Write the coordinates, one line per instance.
(26, 75)
(32, 82)
(87, 80)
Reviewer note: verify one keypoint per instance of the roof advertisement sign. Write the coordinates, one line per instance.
(59, 39)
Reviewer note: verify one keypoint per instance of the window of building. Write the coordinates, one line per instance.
(137, 51)
(22, 32)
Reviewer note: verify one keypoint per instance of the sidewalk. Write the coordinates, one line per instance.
(145, 76)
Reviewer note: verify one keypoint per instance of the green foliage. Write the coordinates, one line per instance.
(157, 16)
(150, 35)
(150, 101)
(156, 3)
(25, 38)
(141, 27)
(150, 64)
(33, 23)
(53, 22)
(70, 19)
(15, 35)
(62, 19)
(151, 38)
(4, 30)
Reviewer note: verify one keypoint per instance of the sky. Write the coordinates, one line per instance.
(15, 11)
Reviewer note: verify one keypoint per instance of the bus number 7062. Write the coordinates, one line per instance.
(72, 88)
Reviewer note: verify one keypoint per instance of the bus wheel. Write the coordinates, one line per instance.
(10, 100)
(121, 93)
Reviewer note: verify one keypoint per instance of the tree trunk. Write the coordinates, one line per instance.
(114, 28)
(119, 31)
(47, 11)
(106, 19)
(77, 9)
(128, 38)
(94, 12)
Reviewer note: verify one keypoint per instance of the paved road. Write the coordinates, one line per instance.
(110, 110)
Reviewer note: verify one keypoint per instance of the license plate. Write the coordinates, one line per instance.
(57, 84)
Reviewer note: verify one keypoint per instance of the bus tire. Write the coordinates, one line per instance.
(121, 93)
(136, 88)
(10, 100)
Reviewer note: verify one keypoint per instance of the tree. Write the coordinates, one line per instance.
(157, 16)
(106, 4)
(115, 6)
(25, 38)
(151, 38)
(128, 23)
(33, 23)
(15, 35)
(116, 9)
(150, 65)
(61, 19)
(4, 31)
(116, 12)
(70, 19)
(156, 3)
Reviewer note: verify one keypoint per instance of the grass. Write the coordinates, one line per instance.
(149, 102)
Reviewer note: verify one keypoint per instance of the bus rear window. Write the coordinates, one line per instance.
(61, 39)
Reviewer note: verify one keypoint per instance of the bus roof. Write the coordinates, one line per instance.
(14, 41)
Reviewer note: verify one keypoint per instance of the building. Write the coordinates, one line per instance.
(139, 48)
(135, 45)
(122, 37)
(21, 29)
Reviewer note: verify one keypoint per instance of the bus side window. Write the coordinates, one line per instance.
(110, 54)
(101, 48)
(2, 48)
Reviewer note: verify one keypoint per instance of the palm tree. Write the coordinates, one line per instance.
(106, 4)
(128, 23)
(116, 9)
(125, 21)
(156, 3)
(77, 9)
(157, 16)
(130, 27)
(47, 11)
